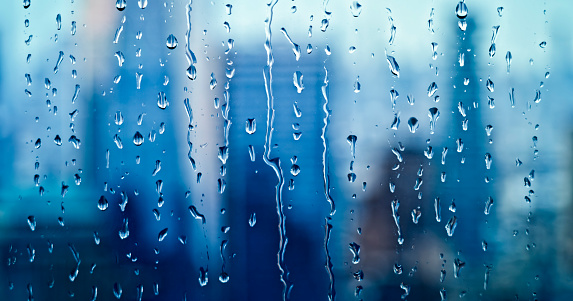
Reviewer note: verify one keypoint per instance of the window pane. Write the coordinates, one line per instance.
(295, 150)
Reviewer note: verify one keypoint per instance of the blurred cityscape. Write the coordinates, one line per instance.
(286, 150)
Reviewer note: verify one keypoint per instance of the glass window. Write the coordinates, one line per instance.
(285, 150)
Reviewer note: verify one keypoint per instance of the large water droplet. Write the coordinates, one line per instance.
(32, 222)
(413, 124)
(120, 4)
(251, 126)
(451, 225)
(171, 42)
(102, 203)
(162, 102)
(461, 10)
(26, 3)
(138, 138)
(142, 3)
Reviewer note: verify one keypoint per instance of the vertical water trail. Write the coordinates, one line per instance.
(328, 265)
(274, 163)
(326, 120)
(191, 59)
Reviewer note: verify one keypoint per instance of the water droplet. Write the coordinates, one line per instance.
(250, 126)
(124, 231)
(75, 141)
(32, 222)
(117, 291)
(432, 89)
(203, 277)
(118, 118)
(460, 145)
(461, 10)
(26, 3)
(508, 58)
(488, 160)
(537, 98)
(297, 81)
(355, 249)
(324, 25)
(416, 213)
(355, 9)
(434, 114)
(162, 234)
(252, 220)
(102, 203)
(492, 50)
(171, 42)
(138, 139)
(142, 3)
(351, 139)
(393, 65)
(451, 226)
(120, 4)
(162, 102)
(458, 265)
(295, 170)
(295, 47)
(38, 143)
(413, 124)
(543, 44)
(489, 85)
(488, 204)
(196, 214)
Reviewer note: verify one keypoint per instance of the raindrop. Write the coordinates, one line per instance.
(432, 89)
(356, 85)
(38, 143)
(508, 58)
(297, 81)
(393, 65)
(537, 98)
(120, 4)
(488, 160)
(461, 10)
(250, 126)
(511, 97)
(416, 213)
(120, 58)
(26, 3)
(488, 204)
(492, 50)
(543, 44)
(138, 139)
(451, 226)
(162, 234)
(118, 118)
(75, 141)
(32, 222)
(295, 170)
(460, 145)
(438, 209)
(351, 139)
(434, 114)
(355, 9)
(171, 42)
(489, 85)
(295, 47)
(252, 220)
(499, 10)
(355, 249)
(413, 124)
(203, 278)
(458, 265)
(196, 214)
(142, 3)
(117, 141)
(102, 203)
(162, 102)
(124, 231)
(324, 25)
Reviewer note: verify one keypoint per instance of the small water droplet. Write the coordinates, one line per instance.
(297, 81)
(543, 44)
(162, 102)
(162, 234)
(355, 249)
(488, 160)
(252, 220)
(355, 9)
(32, 222)
(26, 4)
(393, 65)
(142, 3)
(451, 226)
(203, 277)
